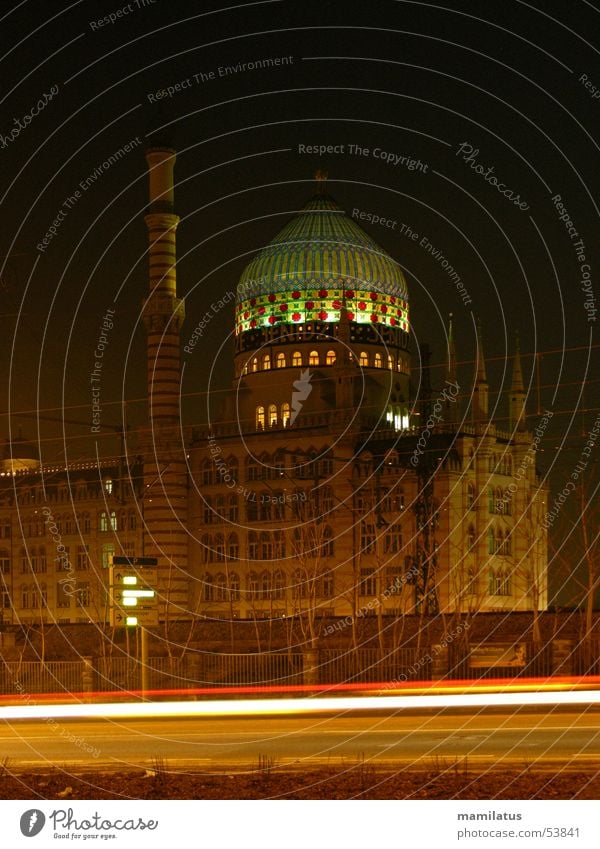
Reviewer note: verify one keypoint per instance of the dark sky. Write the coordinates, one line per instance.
(508, 79)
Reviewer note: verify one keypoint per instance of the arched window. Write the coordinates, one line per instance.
(207, 472)
(232, 513)
(264, 507)
(245, 369)
(260, 418)
(327, 543)
(220, 587)
(252, 509)
(285, 415)
(470, 538)
(390, 362)
(103, 521)
(219, 548)
(234, 586)
(491, 505)
(255, 364)
(108, 486)
(207, 587)
(86, 523)
(113, 520)
(266, 362)
(253, 585)
(266, 546)
(299, 584)
(363, 359)
(491, 541)
(378, 361)
(313, 358)
(296, 358)
(281, 360)
(253, 545)
(272, 415)
(279, 584)
(233, 547)
(265, 584)
(330, 358)
(470, 496)
(507, 547)
(499, 497)
(206, 548)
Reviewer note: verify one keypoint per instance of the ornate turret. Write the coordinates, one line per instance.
(480, 412)
(518, 396)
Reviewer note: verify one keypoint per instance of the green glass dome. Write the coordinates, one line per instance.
(322, 247)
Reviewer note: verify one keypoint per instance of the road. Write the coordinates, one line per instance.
(509, 736)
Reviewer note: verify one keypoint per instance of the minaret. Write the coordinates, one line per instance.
(164, 500)
(518, 396)
(480, 390)
(451, 410)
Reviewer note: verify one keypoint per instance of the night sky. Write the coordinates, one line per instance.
(515, 85)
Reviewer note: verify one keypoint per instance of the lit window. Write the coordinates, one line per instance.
(108, 486)
(378, 361)
(363, 359)
(390, 362)
(266, 362)
(113, 520)
(255, 364)
(260, 418)
(272, 415)
(330, 359)
(296, 358)
(313, 358)
(285, 415)
(281, 360)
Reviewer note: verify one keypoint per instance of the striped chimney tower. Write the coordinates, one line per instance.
(164, 505)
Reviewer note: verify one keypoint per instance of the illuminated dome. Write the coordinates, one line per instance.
(19, 456)
(318, 261)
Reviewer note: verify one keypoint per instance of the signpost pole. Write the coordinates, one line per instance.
(144, 645)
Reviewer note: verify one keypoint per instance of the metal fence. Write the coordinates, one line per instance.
(25, 678)
(368, 665)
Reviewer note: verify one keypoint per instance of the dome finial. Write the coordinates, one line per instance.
(321, 179)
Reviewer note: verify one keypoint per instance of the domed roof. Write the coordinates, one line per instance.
(322, 245)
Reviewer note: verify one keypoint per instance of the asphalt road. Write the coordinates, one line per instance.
(502, 736)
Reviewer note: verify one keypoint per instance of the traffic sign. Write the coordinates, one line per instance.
(117, 560)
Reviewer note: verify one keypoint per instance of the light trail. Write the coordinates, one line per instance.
(282, 707)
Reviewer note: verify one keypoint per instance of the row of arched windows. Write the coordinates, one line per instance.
(271, 416)
(280, 360)
(266, 585)
(500, 582)
(70, 523)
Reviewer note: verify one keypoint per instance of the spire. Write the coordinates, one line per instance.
(516, 404)
(451, 412)
(480, 390)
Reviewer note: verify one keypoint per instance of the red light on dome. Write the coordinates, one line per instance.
(253, 323)
(393, 299)
(295, 316)
(393, 321)
(350, 316)
(272, 298)
(261, 310)
(362, 305)
(373, 296)
(252, 302)
(349, 293)
(246, 314)
(323, 315)
(309, 305)
(322, 293)
(383, 308)
(272, 319)
(295, 294)
(336, 305)
(283, 307)
(374, 317)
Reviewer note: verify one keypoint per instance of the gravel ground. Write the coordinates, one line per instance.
(359, 781)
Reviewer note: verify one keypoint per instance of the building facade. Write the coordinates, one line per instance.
(320, 486)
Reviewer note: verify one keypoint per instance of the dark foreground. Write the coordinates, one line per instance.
(357, 781)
